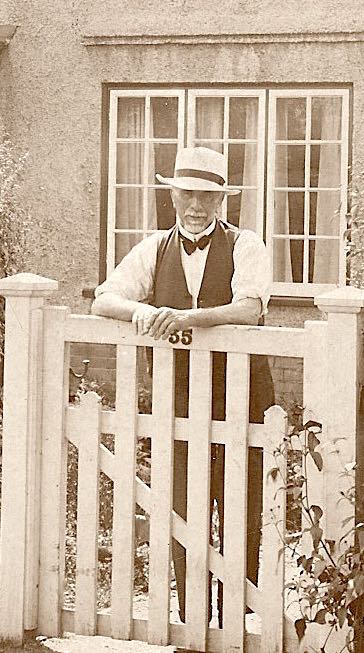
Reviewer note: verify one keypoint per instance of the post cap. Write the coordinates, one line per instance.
(347, 299)
(27, 284)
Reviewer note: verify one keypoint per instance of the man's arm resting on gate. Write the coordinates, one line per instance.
(167, 320)
(110, 304)
(161, 322)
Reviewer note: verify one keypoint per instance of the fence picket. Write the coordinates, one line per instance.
(198, 500)
(161, 497)
(89, 418)
(126, 407)
(235, 504)
(274, 518)
(56, 359)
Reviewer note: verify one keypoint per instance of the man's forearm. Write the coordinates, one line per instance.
(245, 311)
(112, 305)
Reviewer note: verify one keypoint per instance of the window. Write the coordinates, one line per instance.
(306, 189)
(302, 171)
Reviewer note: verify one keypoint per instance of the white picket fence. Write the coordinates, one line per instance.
(39, 423)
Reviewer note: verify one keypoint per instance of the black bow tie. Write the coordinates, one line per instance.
(191, 246)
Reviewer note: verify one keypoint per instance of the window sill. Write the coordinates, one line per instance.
(292, 302)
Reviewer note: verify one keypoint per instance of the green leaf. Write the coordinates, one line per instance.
(313, 442)
(318, 512)
(341, 615)
(317, 459)
(273, 473)
(320, 617)
(312, 424)
(300, 626)
(316, 534)
(320, 566)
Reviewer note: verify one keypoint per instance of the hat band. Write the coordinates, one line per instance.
(200, 174)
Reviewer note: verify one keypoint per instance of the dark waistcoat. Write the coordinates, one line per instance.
(170, 289)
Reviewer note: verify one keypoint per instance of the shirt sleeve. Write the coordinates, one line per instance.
(251, 276)
(133, 278)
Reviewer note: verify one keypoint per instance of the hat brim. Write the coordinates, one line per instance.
(195, 183)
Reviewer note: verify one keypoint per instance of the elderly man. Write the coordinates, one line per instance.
(203, 272)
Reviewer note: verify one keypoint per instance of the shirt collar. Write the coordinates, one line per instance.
(195, 237)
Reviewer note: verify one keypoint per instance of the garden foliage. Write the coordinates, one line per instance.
(328, 587)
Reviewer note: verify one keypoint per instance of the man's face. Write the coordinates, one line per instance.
(196, 208)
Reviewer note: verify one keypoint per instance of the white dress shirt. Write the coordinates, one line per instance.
(133, 278)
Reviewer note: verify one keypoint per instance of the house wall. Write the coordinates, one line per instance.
(53, 71)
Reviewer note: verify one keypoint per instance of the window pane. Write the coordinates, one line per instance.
(242, 165)
(129, 208)
(325, 166)
(243, 117)
(290, 166)
(324, 261)
(162, 157)
(162, 203)
(214, 146)
(289, 212)
(163, 117)
(326, 118)
(288, 260)
(129, 163)
(324, 213)
(124, 243)
(242, 209)
(131, 117)
(209, 117)
(291, 119)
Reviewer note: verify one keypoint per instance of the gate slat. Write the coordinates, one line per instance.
(274, 509)
(161, 497)
(198, 500)
(235, 503)
(56, 358)
(126, 407)
(88, 426)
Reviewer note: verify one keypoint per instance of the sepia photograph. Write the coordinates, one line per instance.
(181, 326)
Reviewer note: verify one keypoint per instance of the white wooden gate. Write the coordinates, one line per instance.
(83, 426)
(43, 340)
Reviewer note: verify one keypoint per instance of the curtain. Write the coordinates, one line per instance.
(288, 207)
(248, 202)
(326, 259)
(130, 170)
(282, 262)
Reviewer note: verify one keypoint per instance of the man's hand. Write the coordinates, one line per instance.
(142, 318)
(166, 320)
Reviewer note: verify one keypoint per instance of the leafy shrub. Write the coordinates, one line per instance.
(329, 584)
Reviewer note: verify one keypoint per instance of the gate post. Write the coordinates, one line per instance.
(339, 404)
(25, 293)
(344, 308)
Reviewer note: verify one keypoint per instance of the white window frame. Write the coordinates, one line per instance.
(307, 289)
(147, 94)
(227, 93)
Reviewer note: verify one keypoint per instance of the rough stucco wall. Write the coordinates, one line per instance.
(50, 96)
(226, 16)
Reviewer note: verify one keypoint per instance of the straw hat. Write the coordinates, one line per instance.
(199, 168)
